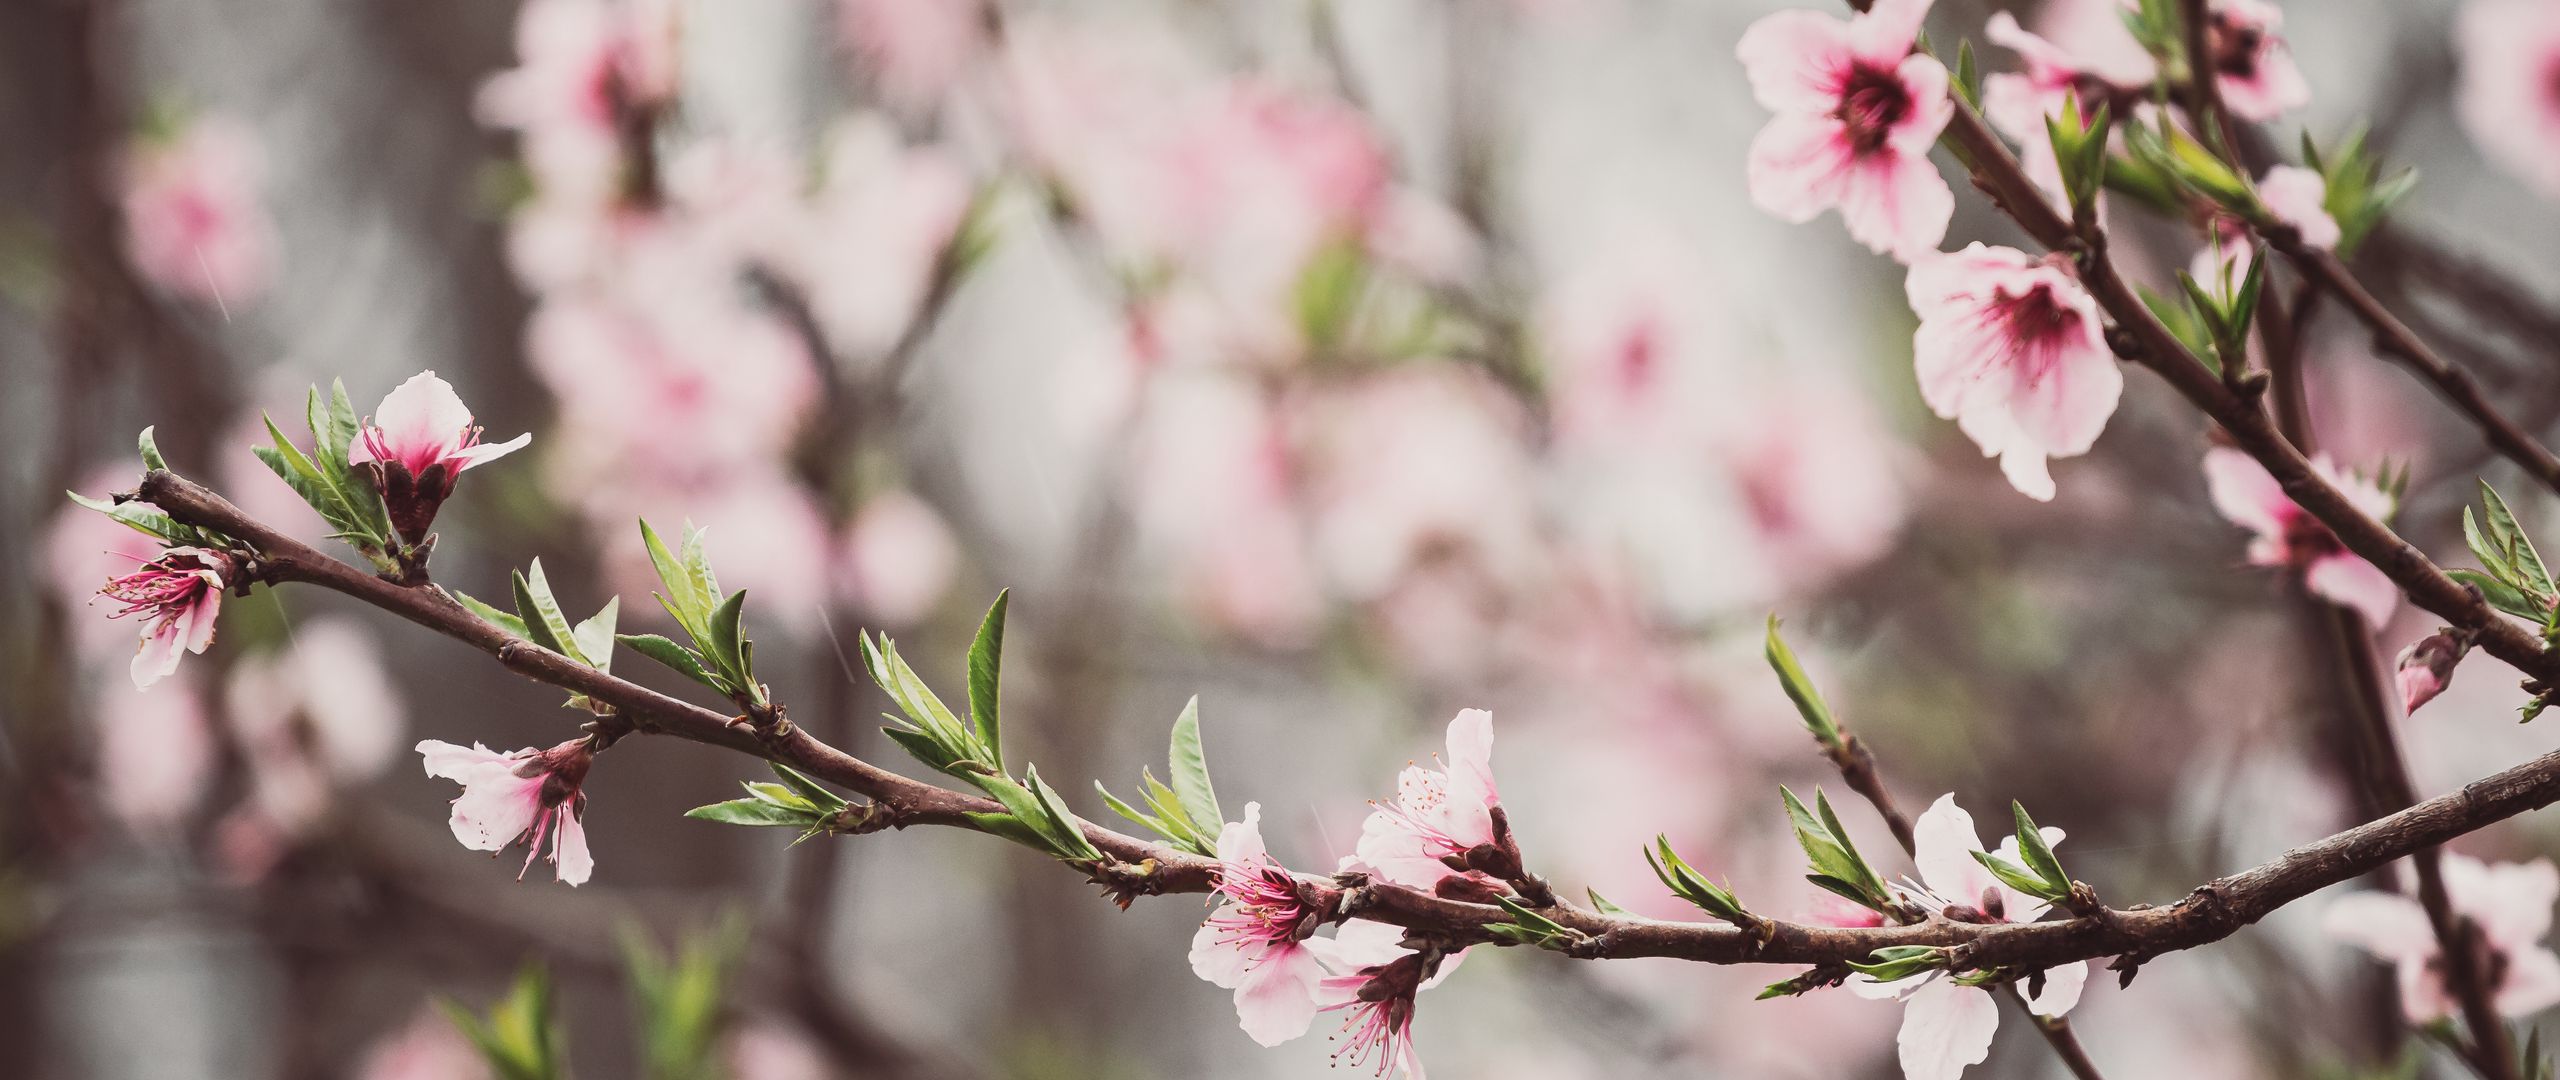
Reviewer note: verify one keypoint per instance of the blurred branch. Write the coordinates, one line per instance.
(2212, 912)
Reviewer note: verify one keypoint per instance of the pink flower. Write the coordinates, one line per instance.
(1256, 944)
(318, 713)
(178, 595)
(417, 443)
(898, 558)
(1945, 1026)
(528, 796)
(430, 1048)
(193, 223)
(1438, 815)
(2012, 349)
(877, 232)
(764, 1050)
(2426, 667)
(916, 50)
(2510, 903)
(2287, 536)
(2252, 67)
(84, 547)
(2295, 196)
(1857, 112)
(584, 64)
(1377, 983)
(155, 754)
(2510, 94)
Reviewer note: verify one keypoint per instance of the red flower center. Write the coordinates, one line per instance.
(1871, 103)
(2235, 47)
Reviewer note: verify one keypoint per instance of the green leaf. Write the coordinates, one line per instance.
(1866, 877)
(342, 425)
(1832, 858)
(1190, 768)
(918, 701)
(2491, 555)
(722, 648)
(1800, 689)
(150, 447)
(921, 746)
(537, 627)
(2018, 877)
(505, 620)
(808, 788)
(1968, 74)
(697, 569)
(755, 812)
(2499, 594)
(594, 637)
(986, 673)
(2532, 577)
(519, 1039)
(1060, 817)
(2039, 854)
(681, 602)
(555, 623)
(1602, 905)
(1029, 809)
(139, 516)
(675, 656)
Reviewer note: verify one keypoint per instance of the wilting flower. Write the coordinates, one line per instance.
(1857, 112)
(527, 796)
(2252, 68)
(2510, 95)
(1377, 982)
(2289, 536)
(2510, 903)
(416, 445)
(2426, 668)
(1945, 1026)
(1256, 943)
(178, 595)
(2011, 348)
(193, 223)
(1439, 817)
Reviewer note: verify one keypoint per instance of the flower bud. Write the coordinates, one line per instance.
(2426, 667)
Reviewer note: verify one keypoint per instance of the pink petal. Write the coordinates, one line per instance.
(1390, 848)
(200, 620)
(2067, 409)
(1946, 1027)
(2532, 984)
(1471, 788)
(495, 807)
(1897, 203)
(1944, 842)
(1221, 963)
(2422, 994)
(1799, 166)
(1884, 34)
(157, 656)
(2347, 580)
(1924, 79)
(1241, 841)
(2245, 493)
(484, 453)
(2062, 986)
(1797, 61)
(455, 763)
(420, 421)
(571, 861)
(2511, 901)
(2391, 927)
(1277, 999)
(2297, 196)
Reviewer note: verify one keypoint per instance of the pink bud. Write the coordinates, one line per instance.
(2426, 667)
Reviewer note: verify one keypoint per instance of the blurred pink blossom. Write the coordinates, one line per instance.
(2253, 68)
(1818, 474)
(2296, 196)
(525, 796)
(84, 548)
(767, 536)
(1947, 1026)
(581, 63)
(1857, 112)
(1254, 944)
(2509, 97)
(1215, 496)
(429, 1048)
(898, 558)
(193, 221)
(1409, 468)
(1437, 813)
(155, 754)
(759, 1050)
(877, 231)
(2287, 536)
(2013, 349)
(2510, 903)
(179, 595)
(915, 50)
(318, 713)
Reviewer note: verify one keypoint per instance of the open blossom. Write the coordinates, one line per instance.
(1377, 984)
(2011, 348)
(1438, 815)
(2510, 903)
(2509, 99)
(193, 223)
(2019, 103)
(527, 796)
(2288, 536)
(2295, 196)
(1857, 111)
(1256, 942)
(1945, 1026)
(417, 443)
(2253, 69)
(178, 596)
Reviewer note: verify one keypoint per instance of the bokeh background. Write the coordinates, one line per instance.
(1342, 363)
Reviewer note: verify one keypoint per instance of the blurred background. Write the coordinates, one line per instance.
(1342, 363)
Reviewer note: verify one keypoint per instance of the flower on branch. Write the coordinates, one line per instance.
(178, 596)
(1440, 816)
(1947, 1025)
(1857, 111)
(2510, 906)
(415, 446)
(2425, 668)
(1256, 944)
(2288, 536)
(2293, 196)
(2012, 349)
(526, 796)
(2253, 70)
(2509, 99)
(1380, 980)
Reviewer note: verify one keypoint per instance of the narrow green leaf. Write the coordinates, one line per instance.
(2017, 877)
(921, 746)
(2492, 556)
(1061, 817)
(2499, 594)
(150, 448)
(673, 655)
(2518, 548)
(1152, 823)
(681, 602)
(138, 516)
(555, 633)
(755, 812)
(1602, 905)
(986, 673)
(1190, 767)
(2037, 853)
(537, 629)
(1800, 688)
(722, 649)
(1865, 875)
(594, 637)
(506, 620)
(808, 788)
(1027, 808)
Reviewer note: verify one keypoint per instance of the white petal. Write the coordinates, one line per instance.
(2062, 986)
(2392, 927)
(1946, 1027)
(571, 861)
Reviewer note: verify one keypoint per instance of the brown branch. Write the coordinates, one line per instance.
(2212, 912)
(2395, 340)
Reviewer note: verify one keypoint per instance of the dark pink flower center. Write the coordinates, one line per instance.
(2306, 540)
(2037, 325)
(1871, 103)
(2551, 84)
(1263, 909)
(162, 589)
(2236, 46)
